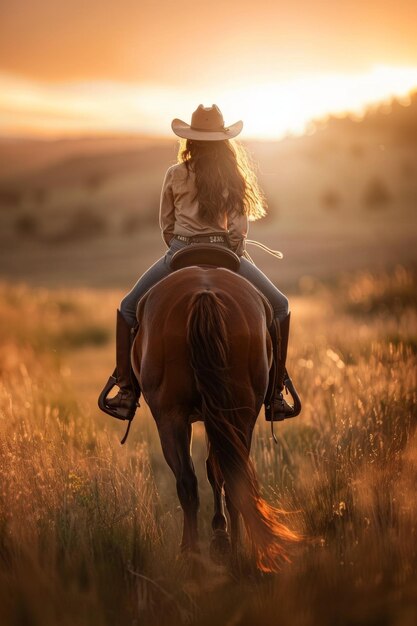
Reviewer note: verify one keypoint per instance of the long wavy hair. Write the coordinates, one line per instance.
(220, 166)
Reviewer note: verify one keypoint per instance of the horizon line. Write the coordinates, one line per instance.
(296, 108)
(314, 125)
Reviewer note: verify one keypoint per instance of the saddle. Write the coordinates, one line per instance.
(205, 254)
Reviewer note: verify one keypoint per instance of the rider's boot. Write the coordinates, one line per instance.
(279, 409)
(123, 405)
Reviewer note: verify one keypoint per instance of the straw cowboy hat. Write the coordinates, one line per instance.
(206, 124)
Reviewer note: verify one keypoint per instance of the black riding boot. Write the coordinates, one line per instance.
(279, 409)
(123, 405)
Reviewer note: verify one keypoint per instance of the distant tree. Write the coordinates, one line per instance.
(95, 181)
(10, 196)
(86, 224)
(131, 223)
(330, 199)
(39, 195)
(376, 194)
(26, 225)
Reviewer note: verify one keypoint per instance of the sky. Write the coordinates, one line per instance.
(104, 66)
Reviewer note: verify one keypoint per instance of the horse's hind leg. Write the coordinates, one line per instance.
(220, 543)
(234, 525)
(175, 434)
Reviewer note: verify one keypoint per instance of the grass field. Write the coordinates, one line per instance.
(89, 530)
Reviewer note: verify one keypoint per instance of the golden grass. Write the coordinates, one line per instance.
(89, 531)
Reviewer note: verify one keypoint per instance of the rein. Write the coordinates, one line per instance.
(276, 253)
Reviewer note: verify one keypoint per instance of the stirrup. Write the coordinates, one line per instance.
(120, 414)
(296, 408)
(111, 383)
(289, 387)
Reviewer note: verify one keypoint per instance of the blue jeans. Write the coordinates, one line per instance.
(161, 269)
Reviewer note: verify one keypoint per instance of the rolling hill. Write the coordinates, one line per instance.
(341, 196)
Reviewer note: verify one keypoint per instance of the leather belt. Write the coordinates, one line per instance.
(209, 238)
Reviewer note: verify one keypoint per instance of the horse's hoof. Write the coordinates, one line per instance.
(220, 548)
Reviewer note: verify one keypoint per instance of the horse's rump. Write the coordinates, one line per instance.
(161, 357)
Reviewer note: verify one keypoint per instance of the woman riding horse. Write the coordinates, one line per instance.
(208, 196)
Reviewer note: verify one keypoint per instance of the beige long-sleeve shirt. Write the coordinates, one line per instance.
(179, 211)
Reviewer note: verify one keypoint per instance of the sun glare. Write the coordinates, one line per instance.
(269, 110)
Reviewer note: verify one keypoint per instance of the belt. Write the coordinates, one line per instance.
(210, 238)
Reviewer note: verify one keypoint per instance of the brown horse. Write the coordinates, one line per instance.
(203, 352)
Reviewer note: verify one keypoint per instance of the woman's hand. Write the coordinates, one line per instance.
(239, 247)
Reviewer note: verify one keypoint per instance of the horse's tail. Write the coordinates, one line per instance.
(208, 344)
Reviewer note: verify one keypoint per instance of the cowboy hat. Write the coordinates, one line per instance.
(206, 124)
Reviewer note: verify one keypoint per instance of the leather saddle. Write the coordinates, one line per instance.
(205, 254)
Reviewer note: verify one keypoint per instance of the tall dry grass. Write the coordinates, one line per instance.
(89, 531)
